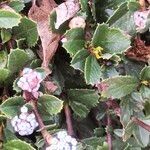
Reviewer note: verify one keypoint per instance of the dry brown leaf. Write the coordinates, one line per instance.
(139, 51)
(65, 11)
(40, 14)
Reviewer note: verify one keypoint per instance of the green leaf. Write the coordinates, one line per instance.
(5, 35)
(17, 145)
(75, 34)
(3, 59)
(92, 143)
(9, 19)
(141, 135)
(50, 104)
(123, 18)
(79, 65)
(128, 131)
(133, 5)
(80, 56)
(11, 106)
(27, 29)
(75, 40)
(72, 46)
(145, 73)
(145, 92)
(82, 100)
(4, 74)
(85, 6)
(79, 109)
(92, 70)
(126, 110)
(122, 9)
(17, 59)
(112, 40)
(88, 97)
(119, 86)
(17, 5)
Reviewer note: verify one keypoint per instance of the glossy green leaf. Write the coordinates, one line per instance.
(82, 100)
(11, 106)
(5, 35)
(17, 5)
(112, 40)
(9, 19)
(92, 70)
(27, 29)
(17, 59)
(79, 109)
(17, 145)
(145, 73)
(4, 74)
(119, 86)
(85, 96)
(50, 104)
(123, 18)
(75, 40)
(142, 136)
(81, 55)
(3, 59)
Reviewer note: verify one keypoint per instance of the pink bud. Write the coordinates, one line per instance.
(140, 19)
(30, 81)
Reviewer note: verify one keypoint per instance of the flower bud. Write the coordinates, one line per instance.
(141, 19)
(77, 22)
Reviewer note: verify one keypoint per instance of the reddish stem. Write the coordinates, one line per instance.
(141, 123)
(68, 120)
(109, 137)
(143, 5)
(47, 137)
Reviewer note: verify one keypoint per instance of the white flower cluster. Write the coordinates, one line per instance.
(25, 123)
(62, 141)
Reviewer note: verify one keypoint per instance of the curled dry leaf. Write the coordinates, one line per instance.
(66, 11)
(139, 51)
(40, 14)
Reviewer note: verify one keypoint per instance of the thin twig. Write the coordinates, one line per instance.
(141, 123)
(69, 120)
(46, 135)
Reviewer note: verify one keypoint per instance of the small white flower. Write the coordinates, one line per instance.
(54, 141)
(23, 116)
(24, 109)
(61, 134)
(74, 141)
(68, 138)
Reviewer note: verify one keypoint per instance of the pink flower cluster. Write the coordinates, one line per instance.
(25, 123)
(140, 19)
(30, 81)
